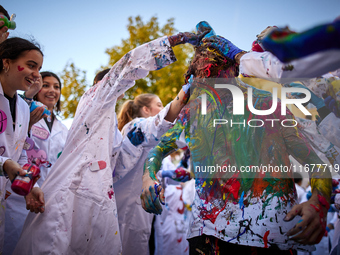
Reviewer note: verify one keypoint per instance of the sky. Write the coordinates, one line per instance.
(80, 31)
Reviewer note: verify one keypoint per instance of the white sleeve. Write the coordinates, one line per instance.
(2, 162)
(330, 128)
(153, 127)
(266, 65)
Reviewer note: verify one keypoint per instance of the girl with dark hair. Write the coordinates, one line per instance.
(20, 62)
(49, 137)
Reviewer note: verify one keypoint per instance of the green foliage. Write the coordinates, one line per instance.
(74, 86)
(167, 82)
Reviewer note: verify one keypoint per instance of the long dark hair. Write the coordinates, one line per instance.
(50, 74)
(12, 48)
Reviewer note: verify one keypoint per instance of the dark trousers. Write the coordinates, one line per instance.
(210, 245)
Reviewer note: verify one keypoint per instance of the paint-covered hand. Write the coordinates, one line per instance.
(314, 99)
(180, 174)
(36, 115)
(332, 105)
(312, 226)
(152, 195)
(12, 169)
(35, 200)
(186, 37)
(136, 136)
(222, 45)
(3, 32)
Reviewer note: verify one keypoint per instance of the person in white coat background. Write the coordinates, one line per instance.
(20, 62)
(81, 212)
(147, 114)
(48, 136)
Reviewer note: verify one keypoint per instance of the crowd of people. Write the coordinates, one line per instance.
(108, 186)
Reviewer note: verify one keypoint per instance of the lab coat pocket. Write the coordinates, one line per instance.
(94, 183)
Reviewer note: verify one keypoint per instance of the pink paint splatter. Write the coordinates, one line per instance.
(110, 193)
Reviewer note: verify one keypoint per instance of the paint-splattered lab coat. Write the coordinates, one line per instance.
(81, 212)
(330, 128)
(134, 222)
(47, 147)
(11, 146)
(266, 65)
(242, 207)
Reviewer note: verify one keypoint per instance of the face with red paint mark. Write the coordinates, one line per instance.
(22, 72)
(50, 92)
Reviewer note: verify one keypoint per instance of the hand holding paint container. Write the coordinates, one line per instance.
(36, 104)
(22, 185)
(10, 24)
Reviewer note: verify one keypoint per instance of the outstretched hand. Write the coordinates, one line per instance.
(222, 45)
(35, 200)
(152, 195)
(312, 226)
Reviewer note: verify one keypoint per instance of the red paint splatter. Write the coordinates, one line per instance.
(228, 222)
(316, 208)
(265, 239)
(323, 201)
(20, 68)
(179, 240)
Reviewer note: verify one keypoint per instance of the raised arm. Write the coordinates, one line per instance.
(152, 192)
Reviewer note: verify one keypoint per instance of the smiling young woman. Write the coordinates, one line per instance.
(20, 62)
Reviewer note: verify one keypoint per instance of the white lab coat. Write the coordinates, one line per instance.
(134, 222)
(330, 128)
(16, 212)
(172, 229)
(266, 65)
(12, 144)
(81, 213)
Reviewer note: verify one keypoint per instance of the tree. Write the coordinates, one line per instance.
(74, 86)
(167, 82)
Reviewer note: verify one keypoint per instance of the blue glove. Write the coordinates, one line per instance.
(315, 100)
(222, 45)
(136, 136)
(204, 26)
(331, 105)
